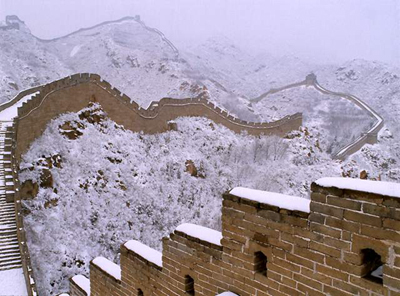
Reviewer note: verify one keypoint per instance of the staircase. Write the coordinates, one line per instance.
(10, 256)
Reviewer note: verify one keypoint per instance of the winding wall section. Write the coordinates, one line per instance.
(74, 93)
(370, 137)
(15, 25)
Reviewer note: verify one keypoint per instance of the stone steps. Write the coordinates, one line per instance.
(10, 256)
(10, 266)
(4, 265)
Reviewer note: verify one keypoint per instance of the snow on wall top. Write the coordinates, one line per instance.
(227, 294)
(83, 282)
(203, 233)
(293, 203)
(11, 112)
(108, 266)
(144, 251)
(154, 108)
(382, 188)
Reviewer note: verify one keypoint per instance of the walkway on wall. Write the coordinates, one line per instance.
(127, 18)
(342, 153)
(368, 137)
(12, 281)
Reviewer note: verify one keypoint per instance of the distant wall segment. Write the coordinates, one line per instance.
(370, 137)
(74, 93)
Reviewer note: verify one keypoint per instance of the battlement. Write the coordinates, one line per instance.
(72, 94)
(344, 241)
(75, 92)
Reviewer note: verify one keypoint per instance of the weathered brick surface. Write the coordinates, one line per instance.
(316, 253)
(74, 289)
(101, 283)
(74, 93)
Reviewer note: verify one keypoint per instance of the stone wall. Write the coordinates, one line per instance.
(370, 137)
(268, 250)
(13, 195)
(19, 97)
(74, 93)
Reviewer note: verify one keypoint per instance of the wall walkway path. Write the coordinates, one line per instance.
(10, 255)
(370, 137)
(24, 118)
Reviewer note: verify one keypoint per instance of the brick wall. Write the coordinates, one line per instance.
(268, 250)
(74, 93)
(13, 195)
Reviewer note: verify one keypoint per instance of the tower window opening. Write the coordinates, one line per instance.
(260, 263)
(373, 266)
(189, 285)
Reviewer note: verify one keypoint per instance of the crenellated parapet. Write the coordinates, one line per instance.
(370, 137)
(75, 92)
(72, 94)
(344, 241)
(12, 192)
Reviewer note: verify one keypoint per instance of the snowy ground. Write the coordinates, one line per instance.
(112, 185)
(107, 167)
(115, 185)
(12, 282)
(11, 112)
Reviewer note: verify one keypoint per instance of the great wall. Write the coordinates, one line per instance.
(369, 137)
(48, 101)
(13, 22)
(344, 241)
(214, 267)
(54, 99)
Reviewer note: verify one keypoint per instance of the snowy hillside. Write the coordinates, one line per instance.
(26, 62)
(248, 76)
(126, 53)
(110, 185)
(106, 185)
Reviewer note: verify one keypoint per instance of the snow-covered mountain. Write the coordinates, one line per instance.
(108, 185)
(26, 62)
(142, 63)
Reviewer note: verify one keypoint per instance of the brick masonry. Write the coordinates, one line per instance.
(316, 253)
(74, 93)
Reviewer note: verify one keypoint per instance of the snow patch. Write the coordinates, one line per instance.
(108, 266)
(75, 50)
(12, 282)
(381, 187)
(144, 251)
(227, 294)
(83, 282)
(206, 234)
(11, 112)
(288, 202)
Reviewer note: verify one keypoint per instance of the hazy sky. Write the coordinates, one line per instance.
(320, 30)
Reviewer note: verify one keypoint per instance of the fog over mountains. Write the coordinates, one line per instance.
(143, 170)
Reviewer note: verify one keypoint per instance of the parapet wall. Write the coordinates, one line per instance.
(269, 250)
(74, 93)
(13, 195)
(370, 137)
